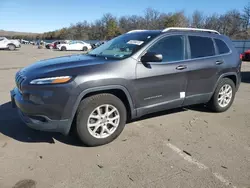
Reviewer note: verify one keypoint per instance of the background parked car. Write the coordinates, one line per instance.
(25, 41)
(9, 44)
(54, 44)
(97, 44)
(245, 56)
(49, 45)
(74, 45)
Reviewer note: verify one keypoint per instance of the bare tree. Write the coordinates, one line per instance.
(212, 22)
(152, 18)
(198, 19)
(177, 19)
(246, 17)
(231, 23)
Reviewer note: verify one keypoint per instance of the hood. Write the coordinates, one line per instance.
(14, 41)
(62, 64)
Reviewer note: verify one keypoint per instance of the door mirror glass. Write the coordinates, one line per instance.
(151, 57)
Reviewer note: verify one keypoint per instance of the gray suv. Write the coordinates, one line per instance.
(134, 74)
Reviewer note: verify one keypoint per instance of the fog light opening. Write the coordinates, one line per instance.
(38, 118)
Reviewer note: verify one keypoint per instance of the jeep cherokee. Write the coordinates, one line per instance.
(137, 73)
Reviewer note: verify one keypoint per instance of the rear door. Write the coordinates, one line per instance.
(161, 85)
(203, 68)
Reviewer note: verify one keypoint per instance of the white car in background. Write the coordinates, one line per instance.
(9, 44)
(74, 45)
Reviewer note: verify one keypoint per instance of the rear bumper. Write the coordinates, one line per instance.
(37, 121)
(239, 81)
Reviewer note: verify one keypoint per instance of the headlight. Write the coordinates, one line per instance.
(52, 80)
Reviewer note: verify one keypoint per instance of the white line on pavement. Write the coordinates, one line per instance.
(222, 179)
(187, 157)
(200, 165)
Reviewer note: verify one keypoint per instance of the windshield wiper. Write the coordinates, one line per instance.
(94, 55)
(98, 55)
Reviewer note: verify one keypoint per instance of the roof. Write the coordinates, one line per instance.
(180, 29)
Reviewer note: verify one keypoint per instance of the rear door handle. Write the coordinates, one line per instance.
(181, 67)
(219, 62)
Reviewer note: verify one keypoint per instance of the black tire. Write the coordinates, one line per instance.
(84, 49)
(214, 104)
(11, 47)
(85, 109)
(63, 48)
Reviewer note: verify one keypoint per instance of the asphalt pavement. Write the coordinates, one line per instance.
(186, 147)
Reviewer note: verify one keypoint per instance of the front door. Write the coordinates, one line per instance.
(72, 45)
(2, 42)
(162, 85)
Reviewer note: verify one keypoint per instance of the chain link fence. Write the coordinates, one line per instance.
(242, 45)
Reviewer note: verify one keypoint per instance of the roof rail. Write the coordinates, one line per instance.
(133, 31)
(190, 29)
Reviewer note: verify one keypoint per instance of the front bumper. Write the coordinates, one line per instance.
(35, 120)
(18, 45)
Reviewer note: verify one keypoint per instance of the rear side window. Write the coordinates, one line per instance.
(201, 47)
(222, 47)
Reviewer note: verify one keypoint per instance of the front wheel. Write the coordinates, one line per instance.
(11, 47)
(223, 96)
(100, 119)
(63, 48)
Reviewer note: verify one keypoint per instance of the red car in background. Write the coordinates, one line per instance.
(245, 56)
(54, 44)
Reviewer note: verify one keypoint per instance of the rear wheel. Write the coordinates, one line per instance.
(223, 96)
(100, 119)
(63, 48)
(11, 47)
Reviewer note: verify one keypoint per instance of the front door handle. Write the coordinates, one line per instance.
(181, 67)
(219, 62)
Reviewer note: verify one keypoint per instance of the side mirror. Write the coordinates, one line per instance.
(151, 57)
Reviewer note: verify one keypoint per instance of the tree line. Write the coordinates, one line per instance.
(234, 23)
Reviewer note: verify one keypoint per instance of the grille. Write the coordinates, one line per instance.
(19, 80)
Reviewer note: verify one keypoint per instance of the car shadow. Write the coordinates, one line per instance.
(12, 126)
(7, 50)
(245, 77)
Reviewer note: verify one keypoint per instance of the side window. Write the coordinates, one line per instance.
(1, 39)
(201, 46)
(222, 47)
(171, 48)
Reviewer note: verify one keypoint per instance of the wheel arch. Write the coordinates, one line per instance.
(120, 91)
(231, 75)
(11, 44)
(63, 47)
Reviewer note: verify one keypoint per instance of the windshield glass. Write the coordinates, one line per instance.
(124, 45)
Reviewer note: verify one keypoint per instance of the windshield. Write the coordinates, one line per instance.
(124, 45)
